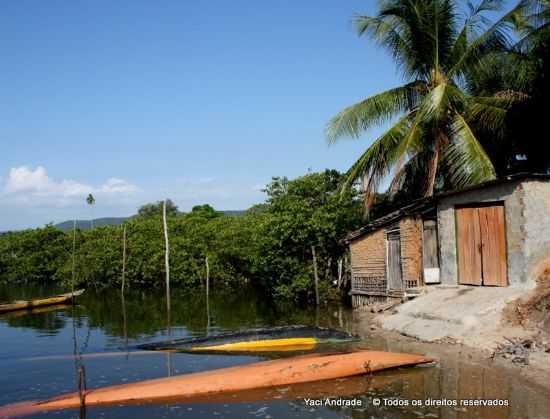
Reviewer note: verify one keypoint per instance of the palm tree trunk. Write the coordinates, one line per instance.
(432, 172)
(440, 140)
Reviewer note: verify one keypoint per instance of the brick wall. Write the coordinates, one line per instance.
(368, 254)
(411, 248)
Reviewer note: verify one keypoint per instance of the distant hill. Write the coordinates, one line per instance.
(235, 213)
(113, 221)
(86, 224)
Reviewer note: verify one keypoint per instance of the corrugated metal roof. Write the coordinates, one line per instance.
(423, 205)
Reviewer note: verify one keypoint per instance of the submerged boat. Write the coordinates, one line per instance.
(285, 338)
(266, 374)
(39, 302)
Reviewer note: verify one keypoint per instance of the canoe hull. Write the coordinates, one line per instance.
(267, 345)
(282, 338)
(296, 370)
(41, 302)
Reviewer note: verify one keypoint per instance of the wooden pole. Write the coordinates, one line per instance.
(347, 270)
(166, 254)
(207, 294)
(124, 321)
(315, 275)
(327, 272)
(207, 277)
(340, 273)
(74, 256)
(123, 259)
(167, 267)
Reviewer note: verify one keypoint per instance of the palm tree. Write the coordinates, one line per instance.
(432, 142)
(90, 200)
(521, 72)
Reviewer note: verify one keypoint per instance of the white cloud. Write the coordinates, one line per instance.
(117, 185)
(26, 184)
(25, 179)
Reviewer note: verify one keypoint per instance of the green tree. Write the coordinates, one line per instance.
(205, 210)
(432, 143)
(33, 256)
(521, 73)
(90, 200)
(269, 245)
(302, 213)
(155, 209)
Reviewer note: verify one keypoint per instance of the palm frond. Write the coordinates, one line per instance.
(473, 22)
(436, 104)
(357, 118)
(495, 38)
(465, 157)
(411, 177)
(387, 36)
(377, 161)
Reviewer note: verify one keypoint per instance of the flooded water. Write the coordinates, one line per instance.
(37, 361)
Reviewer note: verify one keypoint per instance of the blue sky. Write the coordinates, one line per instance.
(201, 102)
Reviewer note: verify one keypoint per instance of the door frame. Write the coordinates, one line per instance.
(435, 274)
(396, 232)
(481, 205)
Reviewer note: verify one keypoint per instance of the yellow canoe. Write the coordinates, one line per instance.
(272, 339)
(39, 302)
(288, 344)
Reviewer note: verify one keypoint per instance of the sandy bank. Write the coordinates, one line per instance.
(479, 320)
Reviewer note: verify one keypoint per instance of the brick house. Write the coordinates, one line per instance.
(492, 234)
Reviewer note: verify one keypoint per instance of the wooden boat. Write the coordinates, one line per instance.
(337, 388)
(276, 339)
(39, 302)
(35, 310)
(266, 374)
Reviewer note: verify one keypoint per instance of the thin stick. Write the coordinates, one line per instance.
(124, 321)
(327, 272)
(315, 275)
(207, 294)
(207, 277)
(167, 265)
(123, 259)
(340, 273)
(74, 262)
(167, 253)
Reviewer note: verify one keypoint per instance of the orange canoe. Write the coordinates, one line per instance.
(285, 371)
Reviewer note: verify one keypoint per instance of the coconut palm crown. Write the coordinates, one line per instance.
(432, 143)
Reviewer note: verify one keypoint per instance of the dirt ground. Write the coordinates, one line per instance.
(533, 311)
(536, 371)
(519, 338)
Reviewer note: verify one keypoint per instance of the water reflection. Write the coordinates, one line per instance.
(38, 359)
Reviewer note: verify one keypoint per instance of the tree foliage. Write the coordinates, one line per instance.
(155, 209)
(299, 214)
(270, 245)
(519, 75)
(436, 117)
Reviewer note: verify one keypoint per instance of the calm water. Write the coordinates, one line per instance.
(37, 362)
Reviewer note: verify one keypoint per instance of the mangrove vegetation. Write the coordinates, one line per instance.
(471, 108)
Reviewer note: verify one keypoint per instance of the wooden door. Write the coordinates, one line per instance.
(481, 245)
(395, 281)
(429, 245)
(493, 245)
(430, 252)
(468, 246)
